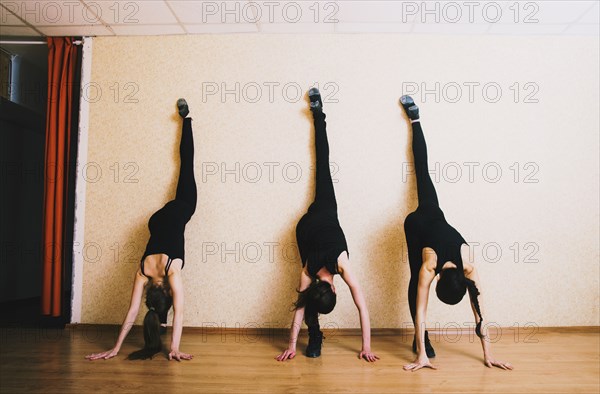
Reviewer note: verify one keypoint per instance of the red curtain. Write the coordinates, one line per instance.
(62, 58)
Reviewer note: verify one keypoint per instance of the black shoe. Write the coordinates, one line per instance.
(428, 348)
(182, 106)
(411, 109)
(315, 340)
(316, 104)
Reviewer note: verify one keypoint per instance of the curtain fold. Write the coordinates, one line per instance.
(62, 59)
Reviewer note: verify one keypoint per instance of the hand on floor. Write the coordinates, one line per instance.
(287, 354)
(177, 355)
(104, 355)
(420, 362)
(368, 355)
(490, 362)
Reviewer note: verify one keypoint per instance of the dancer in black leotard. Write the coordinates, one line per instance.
(435, 247)
(163, 260)
(324, 253)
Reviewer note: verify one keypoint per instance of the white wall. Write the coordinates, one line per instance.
(554, 141)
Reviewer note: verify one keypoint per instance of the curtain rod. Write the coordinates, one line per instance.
(76, 42)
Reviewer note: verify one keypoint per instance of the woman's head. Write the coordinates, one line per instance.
(319, 297)
(451, 289)
(158, 301)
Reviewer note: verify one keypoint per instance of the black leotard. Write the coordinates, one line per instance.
(427, 226)
(319, 234)
(320, 240)
(167, 225)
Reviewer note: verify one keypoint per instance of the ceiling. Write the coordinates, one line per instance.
(27, 18)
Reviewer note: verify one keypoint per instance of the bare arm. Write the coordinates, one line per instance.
(471, 273)
(361, 305)
(134, 306)
(176, 285)
(290, 352)
(295, 329)
(426, 276)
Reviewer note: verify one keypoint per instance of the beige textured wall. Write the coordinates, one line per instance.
(554, 220)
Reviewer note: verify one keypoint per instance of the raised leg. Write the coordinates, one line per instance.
(325, 194)
(186, 185)
(425, 188)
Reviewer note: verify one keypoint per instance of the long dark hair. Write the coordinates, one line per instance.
(316, 298)
(452, 287)
(473, 295)
(158, 301)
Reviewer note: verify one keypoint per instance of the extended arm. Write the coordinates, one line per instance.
(176, 285)
(290, 352)
(361, 305)
(426, 276)
(134, 306)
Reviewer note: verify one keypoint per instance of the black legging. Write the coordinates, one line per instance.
(186, 185)
(324, 194)
(425, 189)
(324, 191)
(428, 208)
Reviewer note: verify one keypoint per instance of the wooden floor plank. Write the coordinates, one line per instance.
(53, 361)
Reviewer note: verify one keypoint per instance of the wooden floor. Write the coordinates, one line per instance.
(33, 360)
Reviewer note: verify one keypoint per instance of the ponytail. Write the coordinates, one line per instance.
(473, 294)
(158, 302)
